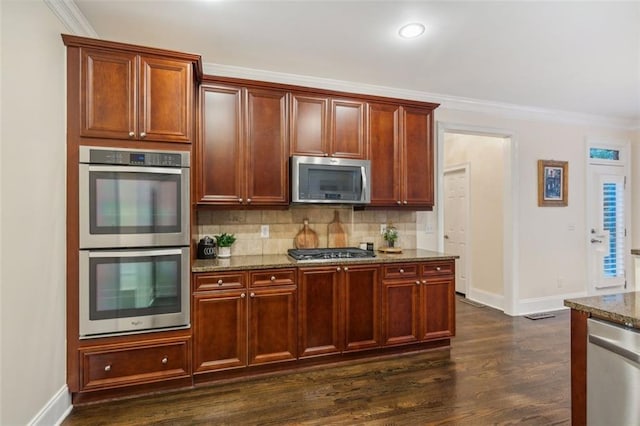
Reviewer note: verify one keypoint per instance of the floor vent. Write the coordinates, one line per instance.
(540, 315)
(471, 302)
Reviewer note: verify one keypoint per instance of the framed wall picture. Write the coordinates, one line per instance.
(553, 177)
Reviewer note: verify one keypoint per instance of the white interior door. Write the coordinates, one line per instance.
(606, 242)
(456, 221)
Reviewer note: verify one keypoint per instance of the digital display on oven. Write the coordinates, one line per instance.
(136, 158)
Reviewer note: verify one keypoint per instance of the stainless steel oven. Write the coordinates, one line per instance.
(133, 290)
(133, 198)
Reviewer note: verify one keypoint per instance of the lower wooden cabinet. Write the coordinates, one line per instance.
(338, 309)
(418, 302)
(134, 363)
(237, 328)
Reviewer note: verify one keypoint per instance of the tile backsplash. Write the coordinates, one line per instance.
(360, 226)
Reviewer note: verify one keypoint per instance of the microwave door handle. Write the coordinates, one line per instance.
(364, 180)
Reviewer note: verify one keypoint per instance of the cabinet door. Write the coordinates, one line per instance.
(272, 325)
(318, 314)
(417, 185)
(362, 307)
(267, 153)
(220, 331)
(437, 308)
(108, 94)
(309, 125)
(400, 315)
(220, 173)
(384, 153)
(347, 129)
(166, 93)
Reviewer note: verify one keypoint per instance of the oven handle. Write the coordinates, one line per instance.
(135, 253)
(136, 169)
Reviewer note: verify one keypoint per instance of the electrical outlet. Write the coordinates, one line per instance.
(264, 231)
(383, 228)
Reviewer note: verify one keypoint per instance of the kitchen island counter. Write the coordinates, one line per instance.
(272, 261)
(622, 308)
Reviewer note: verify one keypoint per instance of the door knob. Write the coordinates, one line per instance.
(594, 240)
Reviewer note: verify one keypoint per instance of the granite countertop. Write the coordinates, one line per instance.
(284, 261)
(623, 308)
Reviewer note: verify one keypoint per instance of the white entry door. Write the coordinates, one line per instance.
(456, 221)
(607, 233)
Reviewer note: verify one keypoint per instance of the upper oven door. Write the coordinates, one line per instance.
(132, 206)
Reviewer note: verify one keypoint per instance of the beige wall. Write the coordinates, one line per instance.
(485, 157)
(33, 212)
(360, 226)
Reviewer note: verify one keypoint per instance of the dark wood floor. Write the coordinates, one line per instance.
(500, 370)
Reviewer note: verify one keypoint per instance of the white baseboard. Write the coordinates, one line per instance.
(489, 299)
(55, 411)
(545, 304)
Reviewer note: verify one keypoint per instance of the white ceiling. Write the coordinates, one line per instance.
(576, 56)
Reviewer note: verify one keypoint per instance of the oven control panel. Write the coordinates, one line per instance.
(124, 157)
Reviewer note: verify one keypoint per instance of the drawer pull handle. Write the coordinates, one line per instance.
(220, 282)
(438, 268)
(401, 271)
(273, 278)
(107, 367)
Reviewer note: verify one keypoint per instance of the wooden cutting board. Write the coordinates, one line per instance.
(336, 236)
(306, 237)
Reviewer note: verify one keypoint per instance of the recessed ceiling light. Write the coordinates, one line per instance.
(411, 30)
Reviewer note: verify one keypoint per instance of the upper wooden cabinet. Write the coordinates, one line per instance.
(325, 126)
(129, 92)
(401, 153)
(242, 148)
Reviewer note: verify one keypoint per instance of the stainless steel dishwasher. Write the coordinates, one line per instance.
(613, 374)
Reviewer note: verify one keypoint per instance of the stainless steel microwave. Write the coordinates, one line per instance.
(330, 180)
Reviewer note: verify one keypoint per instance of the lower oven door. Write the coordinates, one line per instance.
(132, 291)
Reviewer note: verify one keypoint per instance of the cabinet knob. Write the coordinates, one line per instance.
(253, 294)
(248, 200)
(417, 282)
(165, 359)
(401, 271)
(107, 367)
(325, 154)
(273, 278)
(131, 134)
(338, 269)
(346, 268)
(438, 268)
(220, 282)
(424, 281)
(239, 200)
(243, 295)
(399, 202)
(404, 202)
(143, 135)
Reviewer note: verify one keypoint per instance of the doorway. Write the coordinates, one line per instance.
(487, 246)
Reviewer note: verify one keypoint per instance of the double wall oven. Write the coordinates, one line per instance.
(134, 240)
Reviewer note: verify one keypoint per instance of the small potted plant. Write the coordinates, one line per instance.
(390, 236)
(224, 242)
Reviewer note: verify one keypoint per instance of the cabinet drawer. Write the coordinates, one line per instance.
(445, 267)
(131, 365)
(204, 282)
(273, 277)
(400, 271)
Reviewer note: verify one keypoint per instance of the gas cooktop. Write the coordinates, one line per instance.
(321, 254)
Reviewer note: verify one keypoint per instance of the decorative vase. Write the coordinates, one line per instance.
(224, 251)
(390, 243)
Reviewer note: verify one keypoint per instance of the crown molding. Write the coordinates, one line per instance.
(71, 17)
(446, 101)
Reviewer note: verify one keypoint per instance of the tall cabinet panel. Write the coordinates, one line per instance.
(267, 151)
(417, 157)
(383, 131)
(220, 145)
